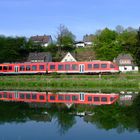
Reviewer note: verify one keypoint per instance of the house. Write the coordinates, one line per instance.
(68, 58)
(126, 63)
(39, 57)
(79, 44)
(44, 40)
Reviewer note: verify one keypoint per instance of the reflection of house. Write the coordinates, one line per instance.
(68, 58)
(126, 63)
(44, 41)
(40, 57)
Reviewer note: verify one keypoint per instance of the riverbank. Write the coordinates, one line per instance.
(71, 82)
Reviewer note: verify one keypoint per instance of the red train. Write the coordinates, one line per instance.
(60, 97)
(59, 67)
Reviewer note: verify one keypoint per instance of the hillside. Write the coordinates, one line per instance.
(85, 54)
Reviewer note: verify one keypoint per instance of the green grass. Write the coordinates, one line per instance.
(70, 82)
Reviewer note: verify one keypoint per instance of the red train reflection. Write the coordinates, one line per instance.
(59, 97)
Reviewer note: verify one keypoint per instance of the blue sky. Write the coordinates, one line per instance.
(38, 17)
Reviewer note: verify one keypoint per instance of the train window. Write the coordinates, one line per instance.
(28, 96)
(10, 67)
(74, 98)
(10, 96)
(5, 68)
(0, 67)
(52, 67)
(74, 67)
(34, 67)
(103, 99)
(96, 65)
(22, 68)
(34, 96)
(52, 97)
(103, 65)
(22, 96)
(41, 67)
(89, 66)
(112, 98)
(67, 67)
(60, 97)
(112, 66)
(60, 67)
(28, 67)
(4, 95)
(96, 99)
(41, 97)
(0, 95)
(90, 98)
(67, 98)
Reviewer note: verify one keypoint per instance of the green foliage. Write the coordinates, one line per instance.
(109, 43)
(106, 45)
(65, 39)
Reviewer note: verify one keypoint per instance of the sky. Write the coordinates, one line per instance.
(39, 17)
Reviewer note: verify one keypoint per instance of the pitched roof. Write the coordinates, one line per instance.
(41, 39)
(40, 56)
(124, 57)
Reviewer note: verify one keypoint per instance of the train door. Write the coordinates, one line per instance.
(82, 68)
(82, 96)
(16, 68)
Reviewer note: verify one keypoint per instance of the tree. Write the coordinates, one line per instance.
(65, 39)
(119, 29)
(106, 45)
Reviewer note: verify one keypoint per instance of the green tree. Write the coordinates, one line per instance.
(106, 45)
(65, 39)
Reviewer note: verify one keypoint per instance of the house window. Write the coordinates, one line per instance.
(60, 67)
(34, 67)
(103, 65)
(96, 65)
(52, 67)
(89, 66)
(133, 68)
(67, 67)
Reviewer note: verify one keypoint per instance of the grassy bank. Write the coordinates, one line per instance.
(71, 82)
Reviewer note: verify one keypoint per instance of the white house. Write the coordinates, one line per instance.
(126, 63)
(80, 44)
(68, 58)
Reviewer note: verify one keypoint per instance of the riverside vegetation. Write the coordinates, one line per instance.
(71, 82)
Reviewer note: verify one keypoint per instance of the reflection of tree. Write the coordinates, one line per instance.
(114, 116)
(65, 121)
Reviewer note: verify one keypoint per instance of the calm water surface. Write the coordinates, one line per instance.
(42, 121)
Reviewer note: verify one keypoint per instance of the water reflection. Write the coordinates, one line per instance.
(105, 111)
